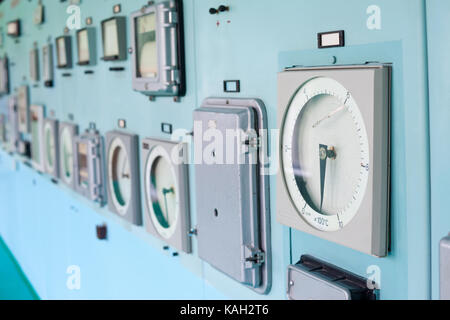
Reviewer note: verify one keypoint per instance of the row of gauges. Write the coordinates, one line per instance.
(157, 49)
(233, 231)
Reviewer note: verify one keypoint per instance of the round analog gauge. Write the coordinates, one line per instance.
(119, 175)
(50, 149)
(67, 155)
(162, 193)
(325, 154)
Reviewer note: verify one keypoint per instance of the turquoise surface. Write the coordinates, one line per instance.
(50, 228)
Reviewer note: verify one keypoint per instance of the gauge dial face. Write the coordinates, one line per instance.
(61, 49)
(13, 28)
(325, 154)
(162, 192)
(83, 46)
(147, 50)
(120, 175)
(110, 38)
(67, 155)
(50, 148)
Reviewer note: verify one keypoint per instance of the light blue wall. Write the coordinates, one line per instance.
(48, 227)
(438, 13)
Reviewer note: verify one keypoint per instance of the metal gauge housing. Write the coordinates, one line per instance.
(13, 128)
(37, 114)
(88, 157)
(38, 14)
(34, 65)
(64, 52)
(47, 65)
(233, 212)
(3, 130)
(335, 154)
(51, 147)
(158, 49)
(13, 29)
(4, 76)
(23, 109)
(87, 50)
(67, 134)
(123, 184)
(165, 167)
(114, 39)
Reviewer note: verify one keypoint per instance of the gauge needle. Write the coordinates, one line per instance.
(323, 168)
(328, 116)
(125, 174)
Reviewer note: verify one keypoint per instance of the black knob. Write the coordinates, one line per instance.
(223, 8)
(213, 11)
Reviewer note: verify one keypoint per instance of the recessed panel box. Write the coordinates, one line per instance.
(37, 114)
(67, 135)
(335, 154)
(23, 109)
(13, 125)
(87, 50)
(166, 183)
(114, 39)
(64, 52)
(444, 262)
(34, 65)
(89, 175)
(123, 177)
(158, 49)
(47, 65)
(232, 190)
(4, 76)
(51, 147)
(314, 279)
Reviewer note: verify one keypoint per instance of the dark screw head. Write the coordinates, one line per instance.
(213, 11)
(223, 8)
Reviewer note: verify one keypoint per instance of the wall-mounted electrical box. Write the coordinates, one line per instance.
(158, 49)
(87, 49)
(67, 135)
(23, 109)
(64, 52)
(88, 158)
(166, 184)
(314, 279)
(232, 190)
(37, 114)
(51, 147)
(34, 65)
(114, 39)
(47, 65)
(123, 177)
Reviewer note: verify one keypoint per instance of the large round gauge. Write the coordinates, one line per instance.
(119, 176)
(162, 192)
(325, 154)
(67, 155)
(50, 148)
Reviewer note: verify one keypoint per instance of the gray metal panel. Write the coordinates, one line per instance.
(169, 77)
(47, 65)
(68, 47)
(92, 37)
(304, 285)
(444, 262)
(232, 199)
(73, 129)
(95, 190)
(180, 238)
(34, 65)
(373, 216)
(52, 170)
(23, 109)
(131, 142)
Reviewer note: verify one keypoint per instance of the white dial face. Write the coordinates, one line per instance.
(325, 154)
(67, 155)
(120, 176)
(50, 150)
(83, 46)
(162, 191)
(61, 49)
(110, 40)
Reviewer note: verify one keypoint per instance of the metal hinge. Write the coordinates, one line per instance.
(255, 259)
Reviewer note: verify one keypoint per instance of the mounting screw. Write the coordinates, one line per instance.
(102, 232)
(192, 232)
(166, 248)
(223, 8)
(175, 254)
(213, 11)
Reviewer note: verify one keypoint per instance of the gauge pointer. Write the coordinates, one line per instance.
(330, 115)
(323, 168)
(165, 193)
